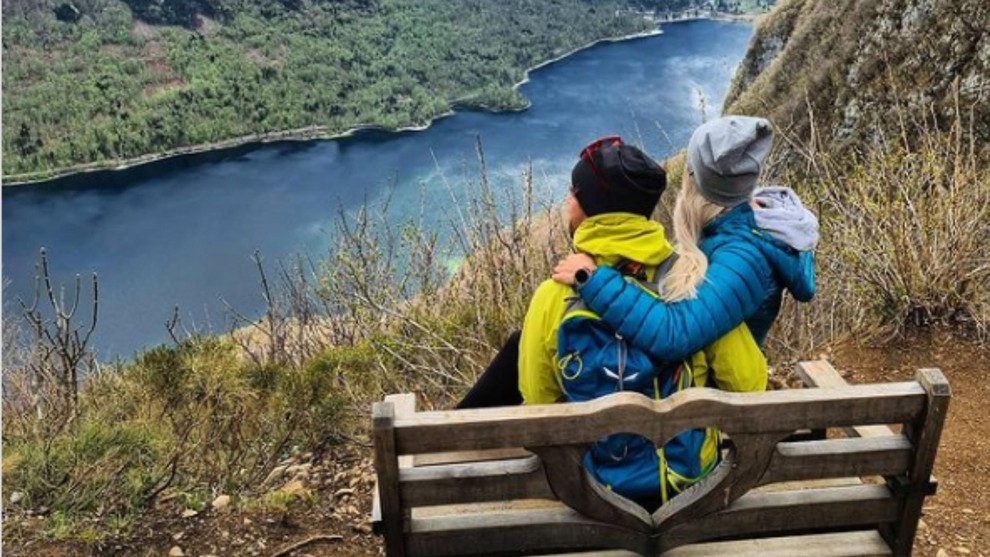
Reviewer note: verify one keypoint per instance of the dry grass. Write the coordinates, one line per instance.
(904, 229)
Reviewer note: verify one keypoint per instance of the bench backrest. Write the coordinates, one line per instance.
(759, 429)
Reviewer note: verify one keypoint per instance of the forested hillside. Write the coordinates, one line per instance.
(92, 80)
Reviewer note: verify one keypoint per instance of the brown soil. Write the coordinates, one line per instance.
(332, 508)
(956, 520)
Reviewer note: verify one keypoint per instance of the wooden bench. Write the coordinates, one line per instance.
(510, 480)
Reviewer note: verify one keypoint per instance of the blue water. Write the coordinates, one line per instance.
(181, 232)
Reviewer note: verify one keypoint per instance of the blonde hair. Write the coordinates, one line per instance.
(691, 213)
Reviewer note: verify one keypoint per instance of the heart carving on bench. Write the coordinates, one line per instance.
(740, 469)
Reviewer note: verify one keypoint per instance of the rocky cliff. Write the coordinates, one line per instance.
(839, 74)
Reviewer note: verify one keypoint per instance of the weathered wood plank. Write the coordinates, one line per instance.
(783, 512)
(563, 424)
(926, 432)
(821, 374)
(519, 533)
(405, 406)
(809, 484)
(387, 466)
(573, 485)
(841, 544)
(522, 532)
(459, 457)
(478, 482)
(747, 461)
(839, 458)
(376, 510)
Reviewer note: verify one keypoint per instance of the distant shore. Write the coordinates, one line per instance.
(312, 133)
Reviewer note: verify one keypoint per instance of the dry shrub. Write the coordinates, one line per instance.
(195, 418)
(904, 239)
(428, 310)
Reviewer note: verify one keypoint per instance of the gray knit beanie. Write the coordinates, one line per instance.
(725, 157)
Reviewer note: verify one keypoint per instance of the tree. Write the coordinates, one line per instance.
(25, 143)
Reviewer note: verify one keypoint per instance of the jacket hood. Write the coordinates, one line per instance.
(793, 268)
(781, 213)
(612, 237)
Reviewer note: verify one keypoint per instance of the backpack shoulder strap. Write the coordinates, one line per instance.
(575, 303)
(664, 269)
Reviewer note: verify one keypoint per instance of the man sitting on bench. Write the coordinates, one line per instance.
(567, 354)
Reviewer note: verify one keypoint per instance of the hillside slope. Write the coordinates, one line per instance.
(104, 80)
(854, 63)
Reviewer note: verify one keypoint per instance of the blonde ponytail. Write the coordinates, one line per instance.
(691, 213)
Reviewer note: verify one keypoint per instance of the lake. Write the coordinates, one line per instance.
(181, 232)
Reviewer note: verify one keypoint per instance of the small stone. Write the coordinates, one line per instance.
(176, 551)
(362, 528)
(963, 550)
(345, 492)
(298, 469)
(221, 502)
(247, 521)
(968, 511)
(189, 513)
(942, 553)
(276, 473)
(16, 497)
(178, 536)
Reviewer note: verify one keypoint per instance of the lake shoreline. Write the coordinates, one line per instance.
(323, 133)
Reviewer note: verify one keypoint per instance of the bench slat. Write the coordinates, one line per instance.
(783, 512)
(839, 458)
(506, 480)
(478, 482)
(820, 374)
(564, 424)
(460, 457)
(842, 544)
(517, 532)
(565, 530)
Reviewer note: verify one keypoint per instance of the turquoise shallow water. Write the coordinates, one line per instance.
(181, 232)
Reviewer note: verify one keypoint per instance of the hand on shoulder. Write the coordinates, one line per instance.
(564, 272)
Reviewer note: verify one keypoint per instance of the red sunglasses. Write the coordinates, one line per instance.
(595, 146)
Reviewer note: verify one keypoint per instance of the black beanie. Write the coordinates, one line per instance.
(626, 181)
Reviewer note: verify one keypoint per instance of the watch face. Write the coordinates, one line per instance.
(581, 276)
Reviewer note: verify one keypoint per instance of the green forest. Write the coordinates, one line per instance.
(100, 81)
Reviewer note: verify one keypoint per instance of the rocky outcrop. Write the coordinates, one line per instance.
(842, 73)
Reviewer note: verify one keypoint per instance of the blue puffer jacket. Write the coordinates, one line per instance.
(747, 273)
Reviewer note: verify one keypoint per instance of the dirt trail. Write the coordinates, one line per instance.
(957, 519)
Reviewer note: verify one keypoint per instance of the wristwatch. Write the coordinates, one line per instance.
(582, 275)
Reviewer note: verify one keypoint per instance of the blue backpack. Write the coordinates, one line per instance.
(596, 361)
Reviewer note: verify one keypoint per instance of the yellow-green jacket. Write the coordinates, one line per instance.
(732, 363)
